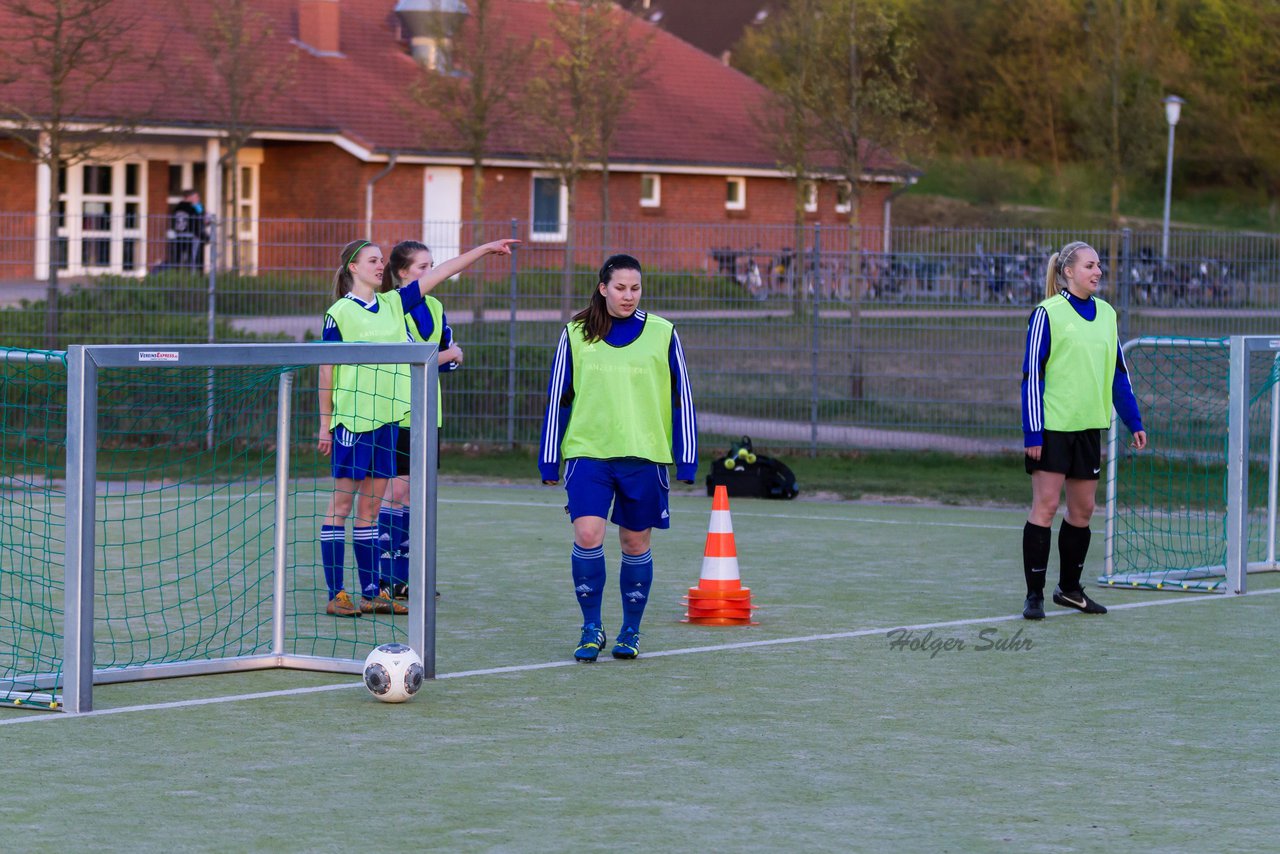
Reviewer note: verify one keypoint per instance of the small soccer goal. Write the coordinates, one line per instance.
(162, 515)
(1196, 511)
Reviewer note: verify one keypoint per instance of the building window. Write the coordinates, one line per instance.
(100, 217)
(811, 196)
(735, 197)
(550, 208)
(843, 197)
(650, 190)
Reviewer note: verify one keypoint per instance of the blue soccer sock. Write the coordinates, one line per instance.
(364, 542)
(386, 545)
(634, 579)
(588, 581)
(400, 541)
(333, 547)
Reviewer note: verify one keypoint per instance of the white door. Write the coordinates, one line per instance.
(442, 211)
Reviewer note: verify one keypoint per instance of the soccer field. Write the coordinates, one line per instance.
(890, 699)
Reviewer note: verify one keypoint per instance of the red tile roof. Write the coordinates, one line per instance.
(690, 110)
(713, 26)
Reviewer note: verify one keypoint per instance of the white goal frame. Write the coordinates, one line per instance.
(1231, 577)
(83, 363)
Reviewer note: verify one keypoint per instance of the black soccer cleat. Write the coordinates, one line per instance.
(1033, 607)
(1078, 600)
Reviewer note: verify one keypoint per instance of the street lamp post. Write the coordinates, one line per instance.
(1172, 110)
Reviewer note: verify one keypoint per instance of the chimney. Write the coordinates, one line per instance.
(318, 25)
(430, 25)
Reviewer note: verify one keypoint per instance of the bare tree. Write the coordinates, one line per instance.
(478, 91)
(624, 45)
(237, 75)
(777, 57)
(860, 91)
(568, 95)
(62, 58)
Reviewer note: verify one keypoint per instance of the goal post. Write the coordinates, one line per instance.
(216, 599)
(1196, 511)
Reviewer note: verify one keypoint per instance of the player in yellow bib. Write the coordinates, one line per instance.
(1073, 375)
(619, 412)
(410, 261)
(361, 407)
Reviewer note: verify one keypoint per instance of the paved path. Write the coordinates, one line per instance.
(800, 433)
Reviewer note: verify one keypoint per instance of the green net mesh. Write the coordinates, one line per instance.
(185, 529)
(32, 422)
(1171, 499)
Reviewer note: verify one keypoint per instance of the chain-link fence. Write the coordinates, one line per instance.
(800, 337)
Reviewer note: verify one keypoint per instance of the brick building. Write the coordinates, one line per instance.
(343, 141)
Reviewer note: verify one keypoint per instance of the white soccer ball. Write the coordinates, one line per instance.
(393, 673)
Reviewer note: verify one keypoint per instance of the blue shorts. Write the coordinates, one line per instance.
(637, 489)
(359, 455)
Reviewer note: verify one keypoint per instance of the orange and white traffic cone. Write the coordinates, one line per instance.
(720, 599)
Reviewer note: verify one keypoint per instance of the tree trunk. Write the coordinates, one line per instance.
(566, 282)
(798, 260)
(857, 388)
(51, 293)
(477, 237)
(606, 246)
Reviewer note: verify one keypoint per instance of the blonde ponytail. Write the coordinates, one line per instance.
(1051, 277)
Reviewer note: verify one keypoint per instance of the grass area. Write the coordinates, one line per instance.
(993, 190)
(823, 732)
(946, 478)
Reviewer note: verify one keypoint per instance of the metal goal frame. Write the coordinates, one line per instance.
(1230, 577)
(83, 363)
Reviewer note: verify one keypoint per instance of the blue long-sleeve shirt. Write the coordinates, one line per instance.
(415, 308)
(421, 315)
(1037, 354)
(684, 432)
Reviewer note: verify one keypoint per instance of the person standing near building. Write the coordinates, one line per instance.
(1073, 374)
(187, 225)
(619, 412)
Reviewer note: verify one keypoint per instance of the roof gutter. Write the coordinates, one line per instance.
(368, 194)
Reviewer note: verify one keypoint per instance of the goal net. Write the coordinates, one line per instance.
(1196, 510)
(163, 514)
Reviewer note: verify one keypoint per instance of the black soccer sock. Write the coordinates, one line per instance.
(1073, 545)
(1036, 542)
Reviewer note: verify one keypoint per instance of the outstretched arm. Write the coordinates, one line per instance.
(454, 266)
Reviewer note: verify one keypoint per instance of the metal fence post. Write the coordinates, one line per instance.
(511, 344)
(813, 344)
(211, 323)
(1124, 284)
